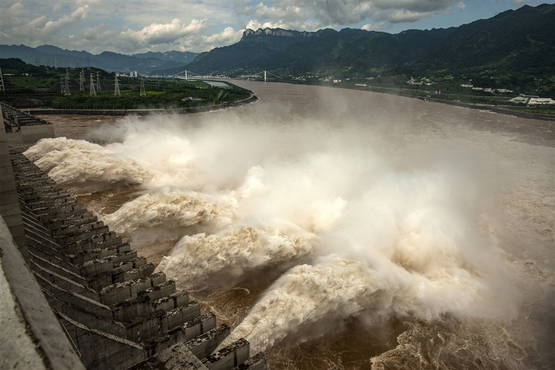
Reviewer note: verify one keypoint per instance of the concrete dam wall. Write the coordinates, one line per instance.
(102, 304)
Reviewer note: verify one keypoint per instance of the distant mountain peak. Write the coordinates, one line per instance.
(274, 32)
(110, 61)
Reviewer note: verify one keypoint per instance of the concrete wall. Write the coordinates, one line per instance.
(30, 134)
(32, 337)
(16, 344)
(9, 204)
(75, 294)
(31, 334)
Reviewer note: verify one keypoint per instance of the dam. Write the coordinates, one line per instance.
(327, 227)
(84, 295)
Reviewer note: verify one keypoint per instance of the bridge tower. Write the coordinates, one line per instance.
(2, 86)
(92, 90)
(265, 76)
(186, 74)
(142, 91)
(82, 80)
(116, 86)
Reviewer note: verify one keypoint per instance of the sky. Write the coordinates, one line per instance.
(132, 26)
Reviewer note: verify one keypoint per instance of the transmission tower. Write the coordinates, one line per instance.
(116, 86)
(62, 86)
(186, 74)
(98, 87)
(92, 90)
(2, 87)
(142, 92)
(67, 91)
(82, 80)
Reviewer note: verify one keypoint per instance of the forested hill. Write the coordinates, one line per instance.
(515, 47)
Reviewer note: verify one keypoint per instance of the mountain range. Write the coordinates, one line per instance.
(516, 47)
(109, 61)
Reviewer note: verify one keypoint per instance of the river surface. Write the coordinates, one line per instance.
(338, 229)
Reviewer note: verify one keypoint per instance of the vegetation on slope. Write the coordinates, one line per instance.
(28, 85)
(513, 50)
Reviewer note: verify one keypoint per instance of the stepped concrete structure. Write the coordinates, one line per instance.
(83, 297)
(23, 128)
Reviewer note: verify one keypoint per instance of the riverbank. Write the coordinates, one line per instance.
(414, 94)
(140, 112)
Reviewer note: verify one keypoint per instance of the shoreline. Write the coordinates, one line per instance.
(493, 109)
(139, 111)
(490, 108)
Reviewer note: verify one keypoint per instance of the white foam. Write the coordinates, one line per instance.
(170, 209)
(232, 252)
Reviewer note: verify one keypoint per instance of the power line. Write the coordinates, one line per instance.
(98, 86)
(116, 86)
(92, 90)
(142, 92)
(67, 91)
(82, 80)
(2, 87)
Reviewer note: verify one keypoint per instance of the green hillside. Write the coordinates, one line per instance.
(513, 50)
(41, 86)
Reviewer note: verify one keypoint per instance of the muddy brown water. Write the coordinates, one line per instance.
(526, 145)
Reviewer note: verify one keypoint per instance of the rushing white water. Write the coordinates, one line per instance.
(382, 220)
(84, 165)
(228, 254)
(169, 209)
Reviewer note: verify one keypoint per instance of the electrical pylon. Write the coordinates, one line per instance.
(116, 86)
(142, 92)
(92, 90)
(98, 86)
(2, 86)
(62, 86)
(82, 80)
(67, 91)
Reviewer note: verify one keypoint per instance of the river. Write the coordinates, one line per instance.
(338, 228)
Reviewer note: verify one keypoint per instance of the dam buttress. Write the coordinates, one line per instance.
(114, 310)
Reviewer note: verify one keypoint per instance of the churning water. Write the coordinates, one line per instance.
(337, 231)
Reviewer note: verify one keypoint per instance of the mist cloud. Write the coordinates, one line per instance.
(364, 219)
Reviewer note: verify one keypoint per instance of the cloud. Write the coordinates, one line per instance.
(77, 14)
(333, 13)
(226, 37)
(196, 25)
(159, 33)
(372, 26)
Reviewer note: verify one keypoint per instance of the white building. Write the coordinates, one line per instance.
(541, 101)
(519, 100)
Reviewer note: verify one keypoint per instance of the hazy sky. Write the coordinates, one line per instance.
(197, 25)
